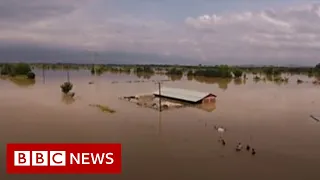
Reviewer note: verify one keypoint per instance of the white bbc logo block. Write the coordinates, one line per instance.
(57, 158)
(40, 158)
(21, 158)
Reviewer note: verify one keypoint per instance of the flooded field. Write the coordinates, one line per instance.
(177, 144)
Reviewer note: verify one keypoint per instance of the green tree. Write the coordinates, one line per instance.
(21, 69)
(237, 73)
(66, 87)
(175, 71)
(6, 69)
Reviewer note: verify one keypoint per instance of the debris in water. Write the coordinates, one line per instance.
(223, 142)
(220, 129)
(91, 82)
(299, 81)
(103, 108)
(315, 118)
(239, 147)
(253, 152)
(248, 148)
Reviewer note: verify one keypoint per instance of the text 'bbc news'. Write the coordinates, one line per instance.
(64, 158)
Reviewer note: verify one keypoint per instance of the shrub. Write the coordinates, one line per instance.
(174, 71)
(66, 87)
(31, 75)
(6, 69)
(237, 73)
(21, 69)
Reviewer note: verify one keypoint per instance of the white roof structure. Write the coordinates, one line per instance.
(182, 94)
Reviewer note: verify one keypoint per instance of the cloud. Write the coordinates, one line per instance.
(289, 35)
(20, 10)
(282, 34)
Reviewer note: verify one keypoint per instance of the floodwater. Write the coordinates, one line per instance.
(175, 144)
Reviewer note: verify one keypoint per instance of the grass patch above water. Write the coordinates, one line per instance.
(103, 108)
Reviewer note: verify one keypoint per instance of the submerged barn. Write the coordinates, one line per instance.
(188, 96)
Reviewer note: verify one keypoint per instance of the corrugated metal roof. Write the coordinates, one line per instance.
(188, 95)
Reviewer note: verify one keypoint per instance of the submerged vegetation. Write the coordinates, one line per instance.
(103, 108)
(20, 74)
(66, 87)
(19, 69)
(277, 74)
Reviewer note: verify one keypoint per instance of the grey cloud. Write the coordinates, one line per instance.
(250, 37)
(29, 10)
(284, 34)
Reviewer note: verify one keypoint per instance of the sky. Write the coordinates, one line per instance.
(270, 32)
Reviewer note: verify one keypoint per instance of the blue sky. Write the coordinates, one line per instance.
(208, 31)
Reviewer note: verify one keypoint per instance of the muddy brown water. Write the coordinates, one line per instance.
(176, 144)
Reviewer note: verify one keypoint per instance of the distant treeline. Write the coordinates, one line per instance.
(221, 71)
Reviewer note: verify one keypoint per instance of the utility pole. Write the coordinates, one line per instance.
(159, 87)
(43, 74)
(93, 65)
(68, 75)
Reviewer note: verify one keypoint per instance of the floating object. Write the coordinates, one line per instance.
(220, 129)
(315, 118)
(248, 148)
(91, 82)
(105, 109)
(253, 152)
(239, 147)
(223, 142)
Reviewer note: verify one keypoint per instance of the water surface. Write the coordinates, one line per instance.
(176, 144)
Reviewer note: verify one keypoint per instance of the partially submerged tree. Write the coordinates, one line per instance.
(237, 73)
(66, 87)
(22, 69)
(6, 69)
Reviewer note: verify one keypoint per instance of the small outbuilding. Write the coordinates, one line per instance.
(188, 96)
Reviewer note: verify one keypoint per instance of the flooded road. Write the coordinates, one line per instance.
(176, 144)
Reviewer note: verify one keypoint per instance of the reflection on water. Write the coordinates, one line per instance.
(67, 99)
(160, 122)
(209, 107)
(239, 81)
(190, 78)
(20, 81)
(222, 82)
(144, 75)
(175, 77)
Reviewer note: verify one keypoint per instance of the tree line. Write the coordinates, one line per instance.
(221, 71)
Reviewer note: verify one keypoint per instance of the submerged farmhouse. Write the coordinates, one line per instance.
(188, 96)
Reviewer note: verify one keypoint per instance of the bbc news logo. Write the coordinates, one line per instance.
(64, 158)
